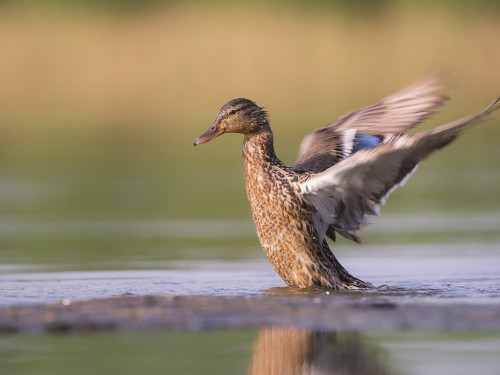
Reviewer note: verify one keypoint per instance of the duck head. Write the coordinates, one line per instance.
(237, 116)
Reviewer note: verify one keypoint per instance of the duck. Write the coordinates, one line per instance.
(344, 172)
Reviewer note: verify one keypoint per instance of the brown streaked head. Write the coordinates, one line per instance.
(237, 116)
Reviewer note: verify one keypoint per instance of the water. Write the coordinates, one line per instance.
(269, 350)
(434, 273)
(106, 222)
(189, 278)
(222, 258)
(461, 264)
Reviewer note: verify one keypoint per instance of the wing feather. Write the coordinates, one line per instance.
(357, 186)
(395, 114)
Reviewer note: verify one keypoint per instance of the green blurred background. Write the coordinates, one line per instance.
(100, 102)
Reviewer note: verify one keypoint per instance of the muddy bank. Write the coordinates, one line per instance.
(318, 312)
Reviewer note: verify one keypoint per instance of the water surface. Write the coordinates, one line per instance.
(432, 273)
(269, 350)
(429, 259)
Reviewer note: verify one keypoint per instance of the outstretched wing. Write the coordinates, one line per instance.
(357, 186)
(368, 127)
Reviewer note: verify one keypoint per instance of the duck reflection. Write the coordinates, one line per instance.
(296, 351)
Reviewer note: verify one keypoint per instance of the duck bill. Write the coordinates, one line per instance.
(207, 136)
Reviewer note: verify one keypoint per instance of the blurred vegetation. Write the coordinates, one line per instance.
(347, 6)
(98, 110)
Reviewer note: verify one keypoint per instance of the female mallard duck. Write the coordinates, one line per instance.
(344, 171)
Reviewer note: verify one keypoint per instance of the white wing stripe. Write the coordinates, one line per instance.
(348, 142)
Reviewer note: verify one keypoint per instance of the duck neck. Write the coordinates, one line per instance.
(259, 147)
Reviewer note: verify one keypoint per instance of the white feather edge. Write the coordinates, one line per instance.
(391, 190)
(325, 202)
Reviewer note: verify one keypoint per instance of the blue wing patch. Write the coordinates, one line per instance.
(362, 141)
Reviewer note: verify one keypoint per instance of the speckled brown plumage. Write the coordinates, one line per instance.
(283, 220)
(344, 172)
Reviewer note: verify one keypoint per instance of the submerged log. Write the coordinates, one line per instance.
(320, 312)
